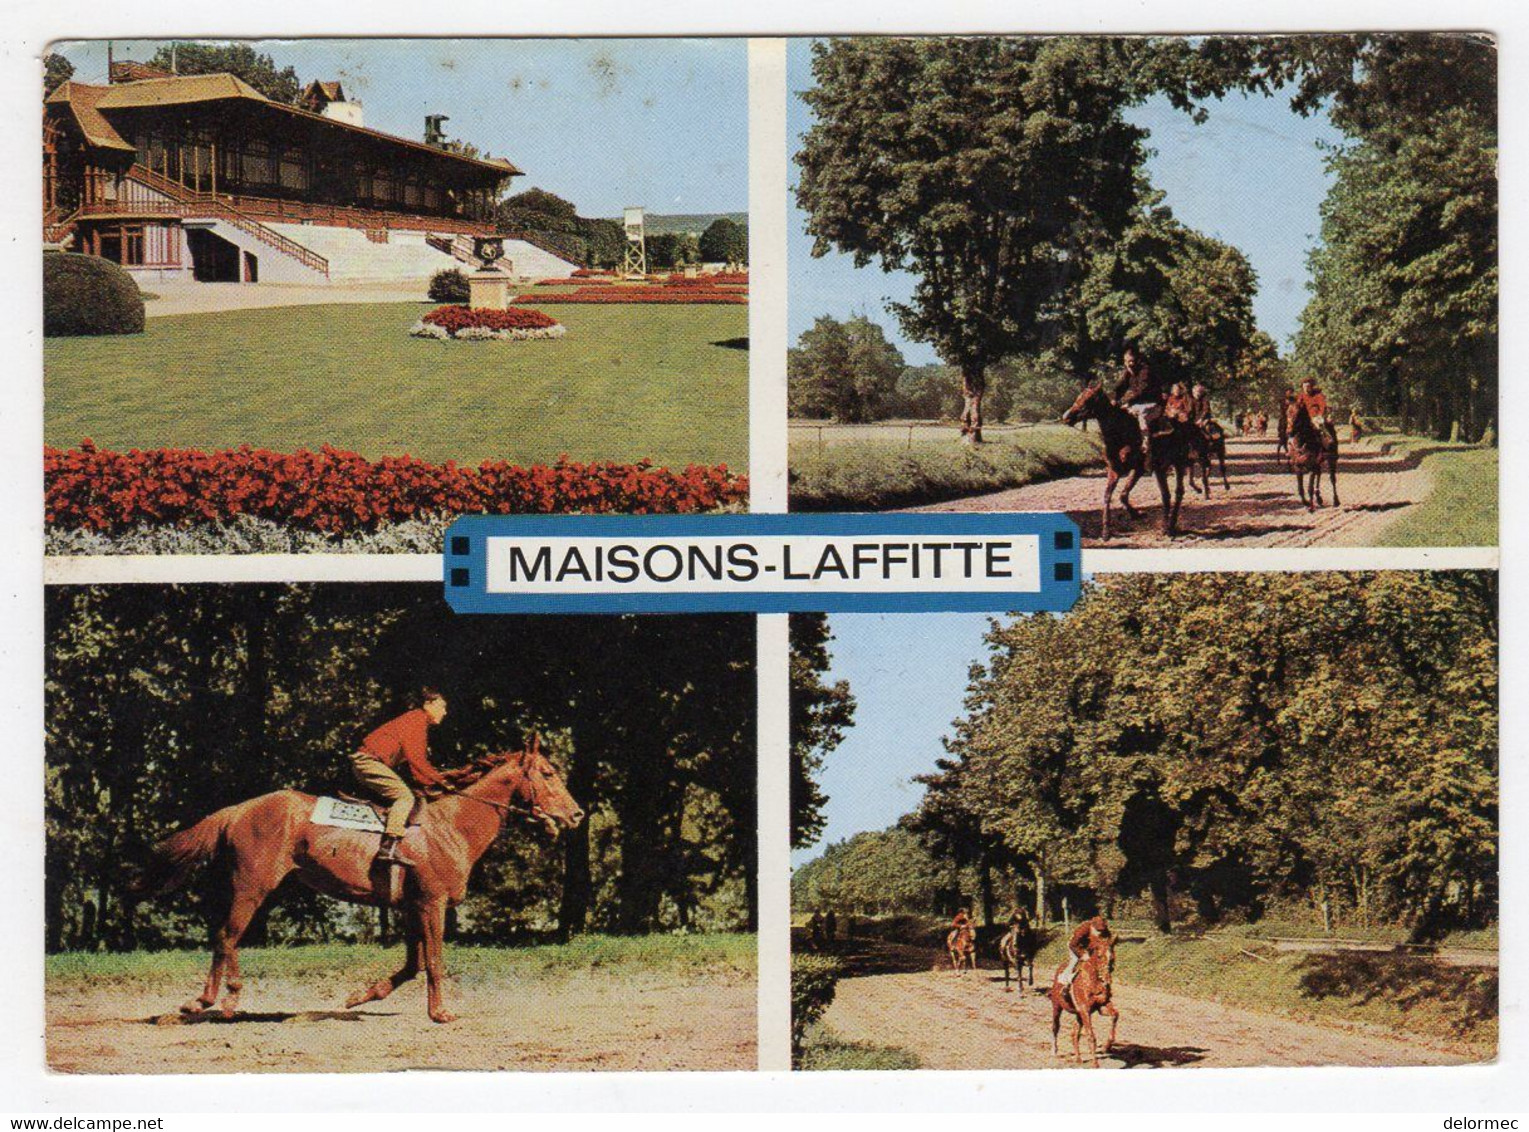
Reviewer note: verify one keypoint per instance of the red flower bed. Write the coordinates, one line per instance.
(720, 279)
(669, 295)
(454, 319)
(590, 273)
(336, 492)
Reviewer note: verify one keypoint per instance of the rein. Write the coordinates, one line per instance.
(502, 807)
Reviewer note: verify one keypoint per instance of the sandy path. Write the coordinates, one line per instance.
(1261, 509)
(969, 1022)
(594, 1020)
(203, 298)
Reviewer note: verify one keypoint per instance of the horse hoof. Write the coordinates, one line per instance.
(442, 1016)
(228, 1008)
(195, 1006)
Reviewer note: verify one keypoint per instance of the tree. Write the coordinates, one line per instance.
(990, 168)
(725, 241)
(56, 70)
(878, 873)
(844, 370)
(255, 68)
(669, 250)
(820, 715)
(1233, 741)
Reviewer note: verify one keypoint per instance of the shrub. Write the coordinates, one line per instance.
(339, 492)
(813, 978)
(640, 295)
(449, 286)
(458, 318)
(86, 295)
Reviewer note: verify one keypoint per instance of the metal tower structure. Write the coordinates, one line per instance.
(634, 260)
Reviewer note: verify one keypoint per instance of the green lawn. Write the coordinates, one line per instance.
(1462, 508)
(627, 382)
(718, 953)
(822, 1049)
(878, 474)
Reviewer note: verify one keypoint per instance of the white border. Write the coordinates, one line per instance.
(25, 1088)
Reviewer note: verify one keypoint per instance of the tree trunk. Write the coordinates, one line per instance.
(573, 909)
(985, 888)
(973, 386)
(1040, 895)
(1161, 914)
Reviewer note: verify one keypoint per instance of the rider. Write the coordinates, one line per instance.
(1077, 946)
(1142, 394)
(1179, 406)
(401, 743)
(1314, 401)
(1200, 398)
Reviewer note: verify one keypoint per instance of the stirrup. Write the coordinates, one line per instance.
(388, 854)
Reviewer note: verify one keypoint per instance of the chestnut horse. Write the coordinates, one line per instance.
(1211, 443)
(962, 945)
(1313, 449)
(1123, 457)
(267, 838)
(1088, 992)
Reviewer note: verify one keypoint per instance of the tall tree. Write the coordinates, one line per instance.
(844, 370)
(820, 715)
(56, 70)
(725, 241)
(990, 168)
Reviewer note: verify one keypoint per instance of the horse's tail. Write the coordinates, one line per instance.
(172, 860)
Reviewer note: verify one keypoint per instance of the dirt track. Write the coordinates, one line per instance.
(969, 1022)
(594, 1020)
(1260, 510)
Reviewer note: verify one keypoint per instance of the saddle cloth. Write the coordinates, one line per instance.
(346, 815)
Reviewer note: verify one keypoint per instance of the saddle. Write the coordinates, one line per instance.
(380, 809)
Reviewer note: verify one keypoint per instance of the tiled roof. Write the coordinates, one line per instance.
(178, 90)
(82, 100)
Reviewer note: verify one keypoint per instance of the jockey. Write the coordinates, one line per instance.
(962, 921)
(400, 743)
(1200, 397)
(1314, 401)
(1180, 406)
(1141, 394)
(1077, 946)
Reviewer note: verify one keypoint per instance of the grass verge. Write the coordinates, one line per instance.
(626, 383)
(1461, 510)
(718, 954)
(825, 1050)
(872, 475)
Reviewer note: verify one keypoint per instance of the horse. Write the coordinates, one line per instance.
(962, 945)
(1017, 950)
(1088, 992)
(268, 838)
(1123, 456)
(1313, 449)
(1211, 442)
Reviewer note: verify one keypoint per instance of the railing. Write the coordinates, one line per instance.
(54, 230)
(907, 433)
(185, 203)
(551, 247)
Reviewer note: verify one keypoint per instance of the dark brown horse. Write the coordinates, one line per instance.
(1210, 444)
(1088, 993)
(1313, 449)
(265, 839)
(962, 945)
(1017, 950)
(1124, 459)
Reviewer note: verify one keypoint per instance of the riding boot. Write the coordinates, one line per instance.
(388, 853)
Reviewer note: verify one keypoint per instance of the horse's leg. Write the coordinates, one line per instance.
(413, 956)
(1160, 474)
(1332, 478)
(1111, 478)
(432, 915)
(246, 903)
(1086, 1017)
(1221, 456)
(1056, 1026)
(1178, 496)
(1300, 483)
(1125, 492)
(1109, 1011)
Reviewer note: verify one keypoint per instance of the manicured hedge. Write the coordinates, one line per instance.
(86, 295)
(338, 492)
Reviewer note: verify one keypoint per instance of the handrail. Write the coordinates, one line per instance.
(191, 202)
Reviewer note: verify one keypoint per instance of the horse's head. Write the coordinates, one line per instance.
(539, 790)
(1087, 406)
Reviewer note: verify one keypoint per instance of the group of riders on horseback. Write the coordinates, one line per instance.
(1150, 428)
(1080, 987)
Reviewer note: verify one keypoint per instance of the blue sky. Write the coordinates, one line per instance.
(661, 123)
(1251, 175)
(908, 673)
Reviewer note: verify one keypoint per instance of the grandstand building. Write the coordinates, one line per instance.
(202, 177)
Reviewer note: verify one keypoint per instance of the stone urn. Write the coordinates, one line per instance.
(489, 286)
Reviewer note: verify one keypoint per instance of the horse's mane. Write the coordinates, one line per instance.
(460, 777)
